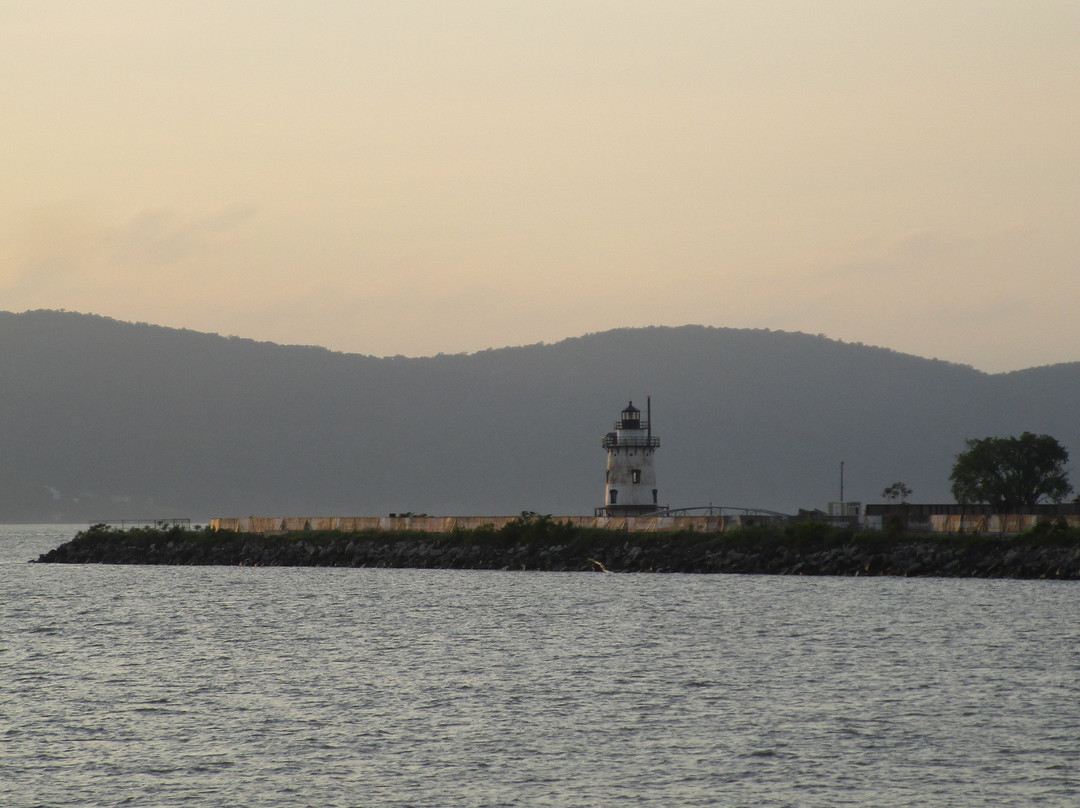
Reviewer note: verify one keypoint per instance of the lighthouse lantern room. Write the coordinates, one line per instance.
(630, 485)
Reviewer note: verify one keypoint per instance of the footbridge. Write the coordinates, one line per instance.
(721, 510)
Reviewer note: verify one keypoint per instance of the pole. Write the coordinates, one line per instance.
(841, 480)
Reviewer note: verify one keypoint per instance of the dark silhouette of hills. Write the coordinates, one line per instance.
(106, 420)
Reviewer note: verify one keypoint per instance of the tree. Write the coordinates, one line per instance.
(897, 492)
(1011, 473)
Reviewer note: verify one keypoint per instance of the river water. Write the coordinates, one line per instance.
(170, 686)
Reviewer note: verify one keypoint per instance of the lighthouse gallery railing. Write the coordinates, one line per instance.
(642, 441)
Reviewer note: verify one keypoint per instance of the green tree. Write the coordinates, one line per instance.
(1011, 473)
(897, 492)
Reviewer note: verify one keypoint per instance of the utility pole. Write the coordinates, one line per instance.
(841, 480)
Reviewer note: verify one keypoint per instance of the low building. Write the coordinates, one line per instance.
(972, 518)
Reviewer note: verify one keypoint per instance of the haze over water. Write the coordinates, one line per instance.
(162, 686)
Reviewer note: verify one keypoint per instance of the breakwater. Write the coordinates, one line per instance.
(542, 544)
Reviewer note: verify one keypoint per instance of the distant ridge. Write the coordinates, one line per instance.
(105, 419)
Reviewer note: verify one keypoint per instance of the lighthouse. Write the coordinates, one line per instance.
(630, 485)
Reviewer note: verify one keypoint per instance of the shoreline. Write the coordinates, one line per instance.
(545, 545)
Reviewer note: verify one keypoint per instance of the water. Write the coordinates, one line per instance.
(155, 686)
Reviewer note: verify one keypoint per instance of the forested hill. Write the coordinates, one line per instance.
(106, 420)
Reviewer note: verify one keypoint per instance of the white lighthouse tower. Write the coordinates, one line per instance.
(630, 487)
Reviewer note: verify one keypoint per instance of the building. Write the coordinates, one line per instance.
(968, 518)
(630, 481)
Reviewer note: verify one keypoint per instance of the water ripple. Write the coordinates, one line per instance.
(294, 687)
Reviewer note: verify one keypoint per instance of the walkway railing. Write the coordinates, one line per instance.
(718, 510)
(126, 524)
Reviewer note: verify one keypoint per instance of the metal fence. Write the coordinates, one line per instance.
(127, 524)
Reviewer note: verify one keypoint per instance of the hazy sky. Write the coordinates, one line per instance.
(423, 177)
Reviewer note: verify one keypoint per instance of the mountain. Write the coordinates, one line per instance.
(106, 420)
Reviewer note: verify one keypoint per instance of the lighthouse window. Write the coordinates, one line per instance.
(635, 475)
(614, 496)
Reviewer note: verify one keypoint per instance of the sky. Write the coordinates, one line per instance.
(416, 178)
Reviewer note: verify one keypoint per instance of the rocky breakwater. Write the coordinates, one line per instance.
(536, 544)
